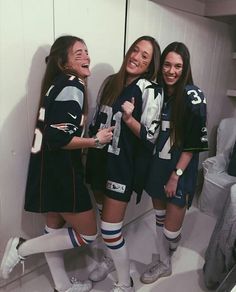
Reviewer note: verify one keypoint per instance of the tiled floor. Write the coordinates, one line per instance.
(187, 262)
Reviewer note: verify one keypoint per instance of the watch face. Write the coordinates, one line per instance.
(179, 172)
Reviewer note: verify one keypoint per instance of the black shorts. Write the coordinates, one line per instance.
(98, 179)
(155, 189)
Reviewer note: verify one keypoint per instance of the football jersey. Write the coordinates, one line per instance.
(55, 179)
(166, 155)
(114, 165)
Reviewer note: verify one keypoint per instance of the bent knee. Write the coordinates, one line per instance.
(89, 238)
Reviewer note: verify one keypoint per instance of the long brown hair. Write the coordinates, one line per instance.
(56, 61)
(114, 84)
(178, 108)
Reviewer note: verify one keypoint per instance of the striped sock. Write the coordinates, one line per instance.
(60, 239)
(160, 219)
(173, 237)
(56, 265)
(112, 236)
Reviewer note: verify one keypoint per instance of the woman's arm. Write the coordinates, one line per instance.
(171, 186)
(102, 137)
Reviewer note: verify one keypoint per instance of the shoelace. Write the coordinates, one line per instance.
(108, 260)
(120, 287)
(74, 280)
(154, 268)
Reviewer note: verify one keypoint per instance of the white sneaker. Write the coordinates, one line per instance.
(154, 272)
(102, 270)
(11, 257)
(122, 288)
(79, 286)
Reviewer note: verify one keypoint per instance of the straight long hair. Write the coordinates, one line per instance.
(179, 104)
(56, 61)
(114, 84)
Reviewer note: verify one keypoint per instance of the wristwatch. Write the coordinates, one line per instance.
(97, 142)
(179, 171)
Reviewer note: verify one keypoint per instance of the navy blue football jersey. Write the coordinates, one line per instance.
(166, 155)
(55, 175)
(112, 168)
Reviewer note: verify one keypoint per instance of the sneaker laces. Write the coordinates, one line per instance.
(74, 280)
(119, 288)
(122, 288)
(107, 260)
(153, 269)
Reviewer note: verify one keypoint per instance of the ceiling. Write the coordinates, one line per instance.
(230, 19)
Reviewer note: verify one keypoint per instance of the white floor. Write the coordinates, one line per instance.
(187, 262)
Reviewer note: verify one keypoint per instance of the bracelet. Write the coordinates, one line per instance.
(97, 142)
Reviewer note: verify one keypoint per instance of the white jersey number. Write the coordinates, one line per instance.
(164, 153)
(197, 99)
(107, 110)
(38, 136)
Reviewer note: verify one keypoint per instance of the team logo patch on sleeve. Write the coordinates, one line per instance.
(115, 187)
(65, 127)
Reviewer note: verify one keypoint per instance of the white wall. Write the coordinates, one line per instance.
(210, 44)
(25, 38)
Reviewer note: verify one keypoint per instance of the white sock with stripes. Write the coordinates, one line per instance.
(160, 219)
(60, 239)
(112, 236)
(173, 237)
(56, 265)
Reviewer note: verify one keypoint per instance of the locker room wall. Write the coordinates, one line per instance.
(25, 39)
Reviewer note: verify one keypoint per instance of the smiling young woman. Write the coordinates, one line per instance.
(173, 172)
(131, 101)
(55, 183)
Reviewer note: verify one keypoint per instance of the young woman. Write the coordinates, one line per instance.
(55, 177)
(173, 173)
(111, 170)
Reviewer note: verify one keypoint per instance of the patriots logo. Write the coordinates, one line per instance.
(65, 127)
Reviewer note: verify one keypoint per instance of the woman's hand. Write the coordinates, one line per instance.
(105, 135)
(171, 186)
(128, 108)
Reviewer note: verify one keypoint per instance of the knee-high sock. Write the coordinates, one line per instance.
(173, 237)
(56, 265)
(112, 236)
(60, 239)
(160, 219)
